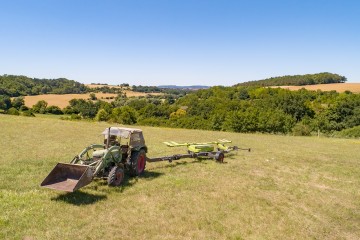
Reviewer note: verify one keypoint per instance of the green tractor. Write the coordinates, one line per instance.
(123, 150)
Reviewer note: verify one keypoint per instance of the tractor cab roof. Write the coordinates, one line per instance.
(121, 131)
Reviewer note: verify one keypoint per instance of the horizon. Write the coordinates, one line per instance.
(175, 85)
(180, 43)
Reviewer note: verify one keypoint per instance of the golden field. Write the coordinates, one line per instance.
(62, 100)
(339, 87)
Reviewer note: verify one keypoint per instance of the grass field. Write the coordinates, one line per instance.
(286, 188)
(339, 87)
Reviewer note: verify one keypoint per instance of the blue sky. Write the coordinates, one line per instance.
(179, 42)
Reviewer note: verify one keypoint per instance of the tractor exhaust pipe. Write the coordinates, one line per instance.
(108, 139)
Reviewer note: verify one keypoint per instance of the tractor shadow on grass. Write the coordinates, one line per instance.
(80, 198)
(147, 175)
(102, 186)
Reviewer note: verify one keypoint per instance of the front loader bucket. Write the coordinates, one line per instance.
(68, 177)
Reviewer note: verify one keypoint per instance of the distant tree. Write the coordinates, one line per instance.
(298, 80)
(24, 108)
(87, 109)
(179, 113)
(93, 96)
(54, 110)
(137, 103)
(14, 86)
(40, 107)
(27, 113)
(5, 102)
(13, 111)
(124, 115)
(301, 129)
(18, 102)
(102, 115)
(217, 122)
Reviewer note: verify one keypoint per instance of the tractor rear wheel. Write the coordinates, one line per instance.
(116, 176)
(138, 163)
(219, 156)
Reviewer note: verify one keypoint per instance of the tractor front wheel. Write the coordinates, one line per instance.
(116, 176)
(138, 162)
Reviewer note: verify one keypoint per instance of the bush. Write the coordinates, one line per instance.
(24, 108)
(68, 110)
(54, 110)
(301, 129)
(5, 102)
(92, 96)
(18, 102)
(124, 115)
(349, 133)
(27, 113)
(13, 111)
(102, 115)
(75, 117)
(40, 107)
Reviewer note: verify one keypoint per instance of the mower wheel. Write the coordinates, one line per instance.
(116, 176)
(219, 156)
(138, 163)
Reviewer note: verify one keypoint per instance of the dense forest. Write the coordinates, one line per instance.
(14, 86)
(297, 80)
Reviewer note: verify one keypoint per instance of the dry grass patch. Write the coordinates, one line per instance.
(286, 188)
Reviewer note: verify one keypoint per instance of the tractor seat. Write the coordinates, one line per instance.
(112, 142)
(124, 148)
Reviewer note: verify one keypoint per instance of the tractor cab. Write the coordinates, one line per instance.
(128, 139)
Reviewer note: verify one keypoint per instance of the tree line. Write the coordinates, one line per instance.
(236, 109)
(297, 80)
(14, 86)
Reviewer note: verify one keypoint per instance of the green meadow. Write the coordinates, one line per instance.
(285, 188)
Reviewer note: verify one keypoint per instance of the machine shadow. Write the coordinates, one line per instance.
(101, 184)
(80, 198)
(130, 181)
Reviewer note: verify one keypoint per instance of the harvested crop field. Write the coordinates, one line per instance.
(62, 100)
(339, 87)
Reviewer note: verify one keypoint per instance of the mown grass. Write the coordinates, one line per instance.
(286, 188)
